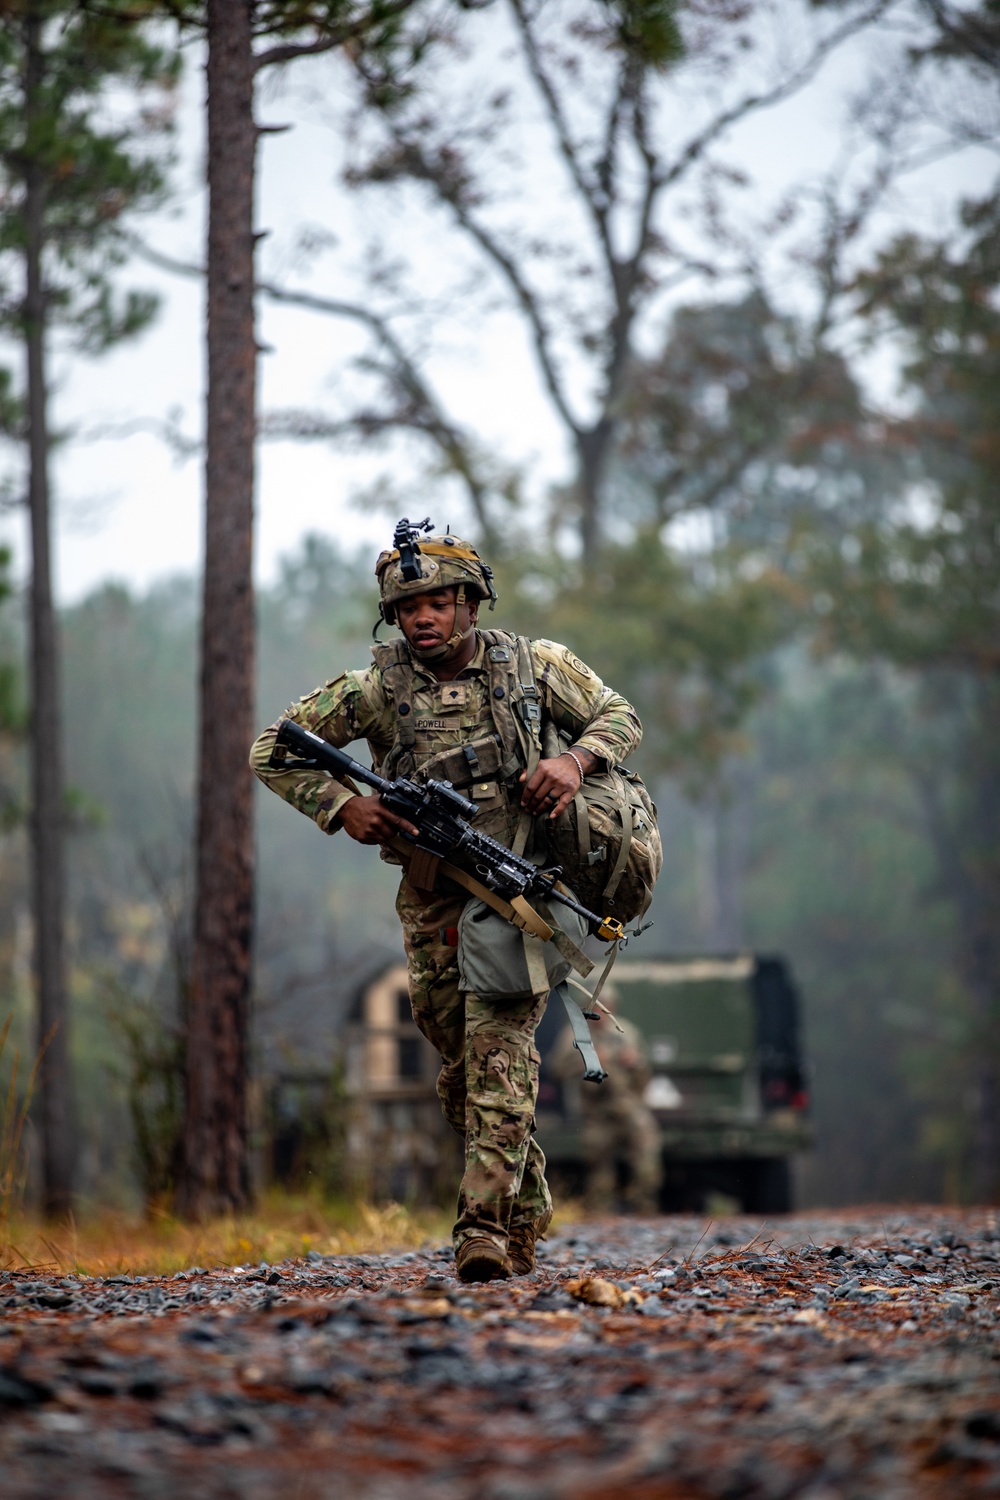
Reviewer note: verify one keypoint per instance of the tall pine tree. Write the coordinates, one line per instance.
(70, 173)
(244, 37)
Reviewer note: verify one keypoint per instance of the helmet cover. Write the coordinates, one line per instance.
(416, 565)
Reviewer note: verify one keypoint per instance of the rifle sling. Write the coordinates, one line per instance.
(535, 929)
(582, 1040)
(426, 867)
(564, 944)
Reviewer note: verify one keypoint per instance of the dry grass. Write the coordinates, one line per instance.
(280, 1228)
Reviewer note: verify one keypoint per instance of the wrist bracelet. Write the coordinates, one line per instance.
(579, 765)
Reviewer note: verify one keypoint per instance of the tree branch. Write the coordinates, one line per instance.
(409, 159)
(310, 426)
(167, 429)
(289, 51)
(285, 52)
(968, 33)
(433, 422)
(567, 147)
(697, 146)
(627, 276)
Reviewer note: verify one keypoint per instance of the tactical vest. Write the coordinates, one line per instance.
(487, 769)
(607, 843)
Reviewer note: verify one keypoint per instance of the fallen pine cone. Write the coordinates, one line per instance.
(600, 1293)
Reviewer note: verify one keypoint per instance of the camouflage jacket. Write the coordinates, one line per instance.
(456, 717)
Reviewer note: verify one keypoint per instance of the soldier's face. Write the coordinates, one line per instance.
(428, 620)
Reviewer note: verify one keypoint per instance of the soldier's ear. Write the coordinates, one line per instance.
(473, 610)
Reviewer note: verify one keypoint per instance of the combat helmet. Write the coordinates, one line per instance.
(417, 563)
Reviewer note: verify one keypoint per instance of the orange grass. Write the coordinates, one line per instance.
(281, 1227)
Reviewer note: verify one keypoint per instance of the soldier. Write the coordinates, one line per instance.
(454, 702)
(617, 1127)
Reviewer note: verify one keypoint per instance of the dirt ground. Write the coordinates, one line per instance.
(853, 1356)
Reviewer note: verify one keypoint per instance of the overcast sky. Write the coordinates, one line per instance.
(128, 510)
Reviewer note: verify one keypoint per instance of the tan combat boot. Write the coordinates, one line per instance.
(521, 1240)
(481, 1260)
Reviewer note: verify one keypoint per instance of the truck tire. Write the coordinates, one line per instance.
(768, 1187)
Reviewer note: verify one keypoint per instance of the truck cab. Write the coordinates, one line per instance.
(727, 1090)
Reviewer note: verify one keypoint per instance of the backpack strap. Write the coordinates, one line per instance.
(622, 860)
(396, 666)
(582, 1039)
(528, 720)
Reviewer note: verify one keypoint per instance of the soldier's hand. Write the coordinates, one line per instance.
(367, 821)
(552, 788)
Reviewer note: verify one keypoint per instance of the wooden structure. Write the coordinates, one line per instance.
(398, 1144)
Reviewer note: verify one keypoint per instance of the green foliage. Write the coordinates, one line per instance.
(152, 1054)
(378, 32)
(11, 426)
(920, 583)
(648, 30)
(842, 878)
(307, 1127)
(745, 418)
(96, 160)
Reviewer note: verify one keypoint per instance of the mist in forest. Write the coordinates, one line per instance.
(775, 531)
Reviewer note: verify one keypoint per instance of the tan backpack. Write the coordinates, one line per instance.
(607, 841)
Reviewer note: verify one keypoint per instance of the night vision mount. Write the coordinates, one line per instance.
(406, 540)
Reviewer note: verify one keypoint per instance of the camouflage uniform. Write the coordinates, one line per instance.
(489, 1075)
(616, 1123)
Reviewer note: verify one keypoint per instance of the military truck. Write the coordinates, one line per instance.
(728, 1088)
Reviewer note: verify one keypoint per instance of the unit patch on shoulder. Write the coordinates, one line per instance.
(576, 668)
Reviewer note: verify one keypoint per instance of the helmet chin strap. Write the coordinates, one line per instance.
(438, 653)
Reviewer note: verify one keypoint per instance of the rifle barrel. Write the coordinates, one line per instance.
(326, 756)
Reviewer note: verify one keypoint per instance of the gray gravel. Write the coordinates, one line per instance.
(822, 1357)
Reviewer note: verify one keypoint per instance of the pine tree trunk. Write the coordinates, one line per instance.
(981, 924)
(216, 1174)
(55, 1076)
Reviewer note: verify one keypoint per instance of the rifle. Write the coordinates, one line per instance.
(443, 817)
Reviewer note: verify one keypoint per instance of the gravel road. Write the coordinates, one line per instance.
(853, 1356)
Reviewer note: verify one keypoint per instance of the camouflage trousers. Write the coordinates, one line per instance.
(488, 1083)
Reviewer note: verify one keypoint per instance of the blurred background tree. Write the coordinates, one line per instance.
(71, 175)
(579, 193)
(918, 585)
(243, 40)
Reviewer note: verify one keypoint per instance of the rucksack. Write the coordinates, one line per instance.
(607, 841)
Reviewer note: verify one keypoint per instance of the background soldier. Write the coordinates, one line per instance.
(619, 1133)
(453, 702)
